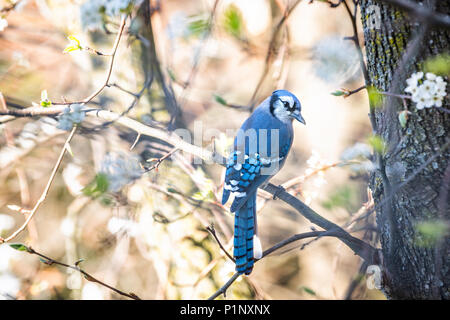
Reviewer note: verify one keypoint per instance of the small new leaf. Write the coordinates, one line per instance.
(74, 45)
(97, 187)
(338, 93)
(45, 102)
(198, 25)
(308, 290)
(403, 118)
(172, 190)
(89, 278)
(233, 21)
(78, 262)
(377, 143)
(220, 100)
(69, 149)
(19, 246)
(48, 262)
(375, 98)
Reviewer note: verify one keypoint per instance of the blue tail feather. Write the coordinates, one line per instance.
(244, 230)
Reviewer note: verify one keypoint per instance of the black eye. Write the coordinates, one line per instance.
(286, 105)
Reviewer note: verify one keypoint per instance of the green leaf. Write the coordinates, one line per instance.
(69, 149)
(308, 290)
(97, 187)
(375, 98)
(233, 21)
(19, 246)
(430, 232)
(377, 143)
(74, 45)
(45, 261)
(439, 65)
(172, 190)
(45, 102)
(78, 262)
(403, 118)
(220, 100)
(338, 93)
(203, 195)
(198, 25)
(160, 218)
(198, 196)
(171, 74)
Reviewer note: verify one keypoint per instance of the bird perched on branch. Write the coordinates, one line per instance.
(260, 150)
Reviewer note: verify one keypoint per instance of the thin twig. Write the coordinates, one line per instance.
(348, 93)
(45, 192)
(160, 160)
(272, 249)
(87, 276)
(213, 233)
(110, 68)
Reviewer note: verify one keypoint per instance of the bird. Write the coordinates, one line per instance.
(259, 151)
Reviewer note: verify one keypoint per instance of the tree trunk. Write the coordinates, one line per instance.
(411, 183)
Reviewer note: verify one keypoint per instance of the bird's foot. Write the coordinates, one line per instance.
(280, 190)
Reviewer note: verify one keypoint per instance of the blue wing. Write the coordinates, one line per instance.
(243, 177)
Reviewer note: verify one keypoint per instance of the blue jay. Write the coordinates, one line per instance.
(260, 150)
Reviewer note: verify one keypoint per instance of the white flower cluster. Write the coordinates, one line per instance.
(116, 225)
(335, 60)
(9, 283)
(426, 92)
(120, 170)
(91, 11)
(358, 157)
(358, 150)
(73, 114)
(3, 24)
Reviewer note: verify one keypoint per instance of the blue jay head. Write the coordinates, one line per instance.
(285, 106)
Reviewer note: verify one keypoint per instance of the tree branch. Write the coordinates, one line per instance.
(274, 248)
(87, 276)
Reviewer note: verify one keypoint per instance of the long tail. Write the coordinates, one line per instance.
(244, 231)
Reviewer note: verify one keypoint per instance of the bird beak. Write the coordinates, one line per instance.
(299, 118)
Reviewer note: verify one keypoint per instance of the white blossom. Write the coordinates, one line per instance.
(335, 60)
(6, 222)
(9, 286)
(116, 225)
(92, 10)
(430, 76)
(357, 151)
(7, 255)
(427, 92)
(115, 7)
(20, 59)
(67, 227)
(91, 17)
(3, 24)
(120, 170)
(359, 155)
(73, 114)
(92, 291)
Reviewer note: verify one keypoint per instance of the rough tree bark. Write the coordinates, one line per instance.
(411, 183)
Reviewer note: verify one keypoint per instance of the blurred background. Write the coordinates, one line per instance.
(146, 232)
